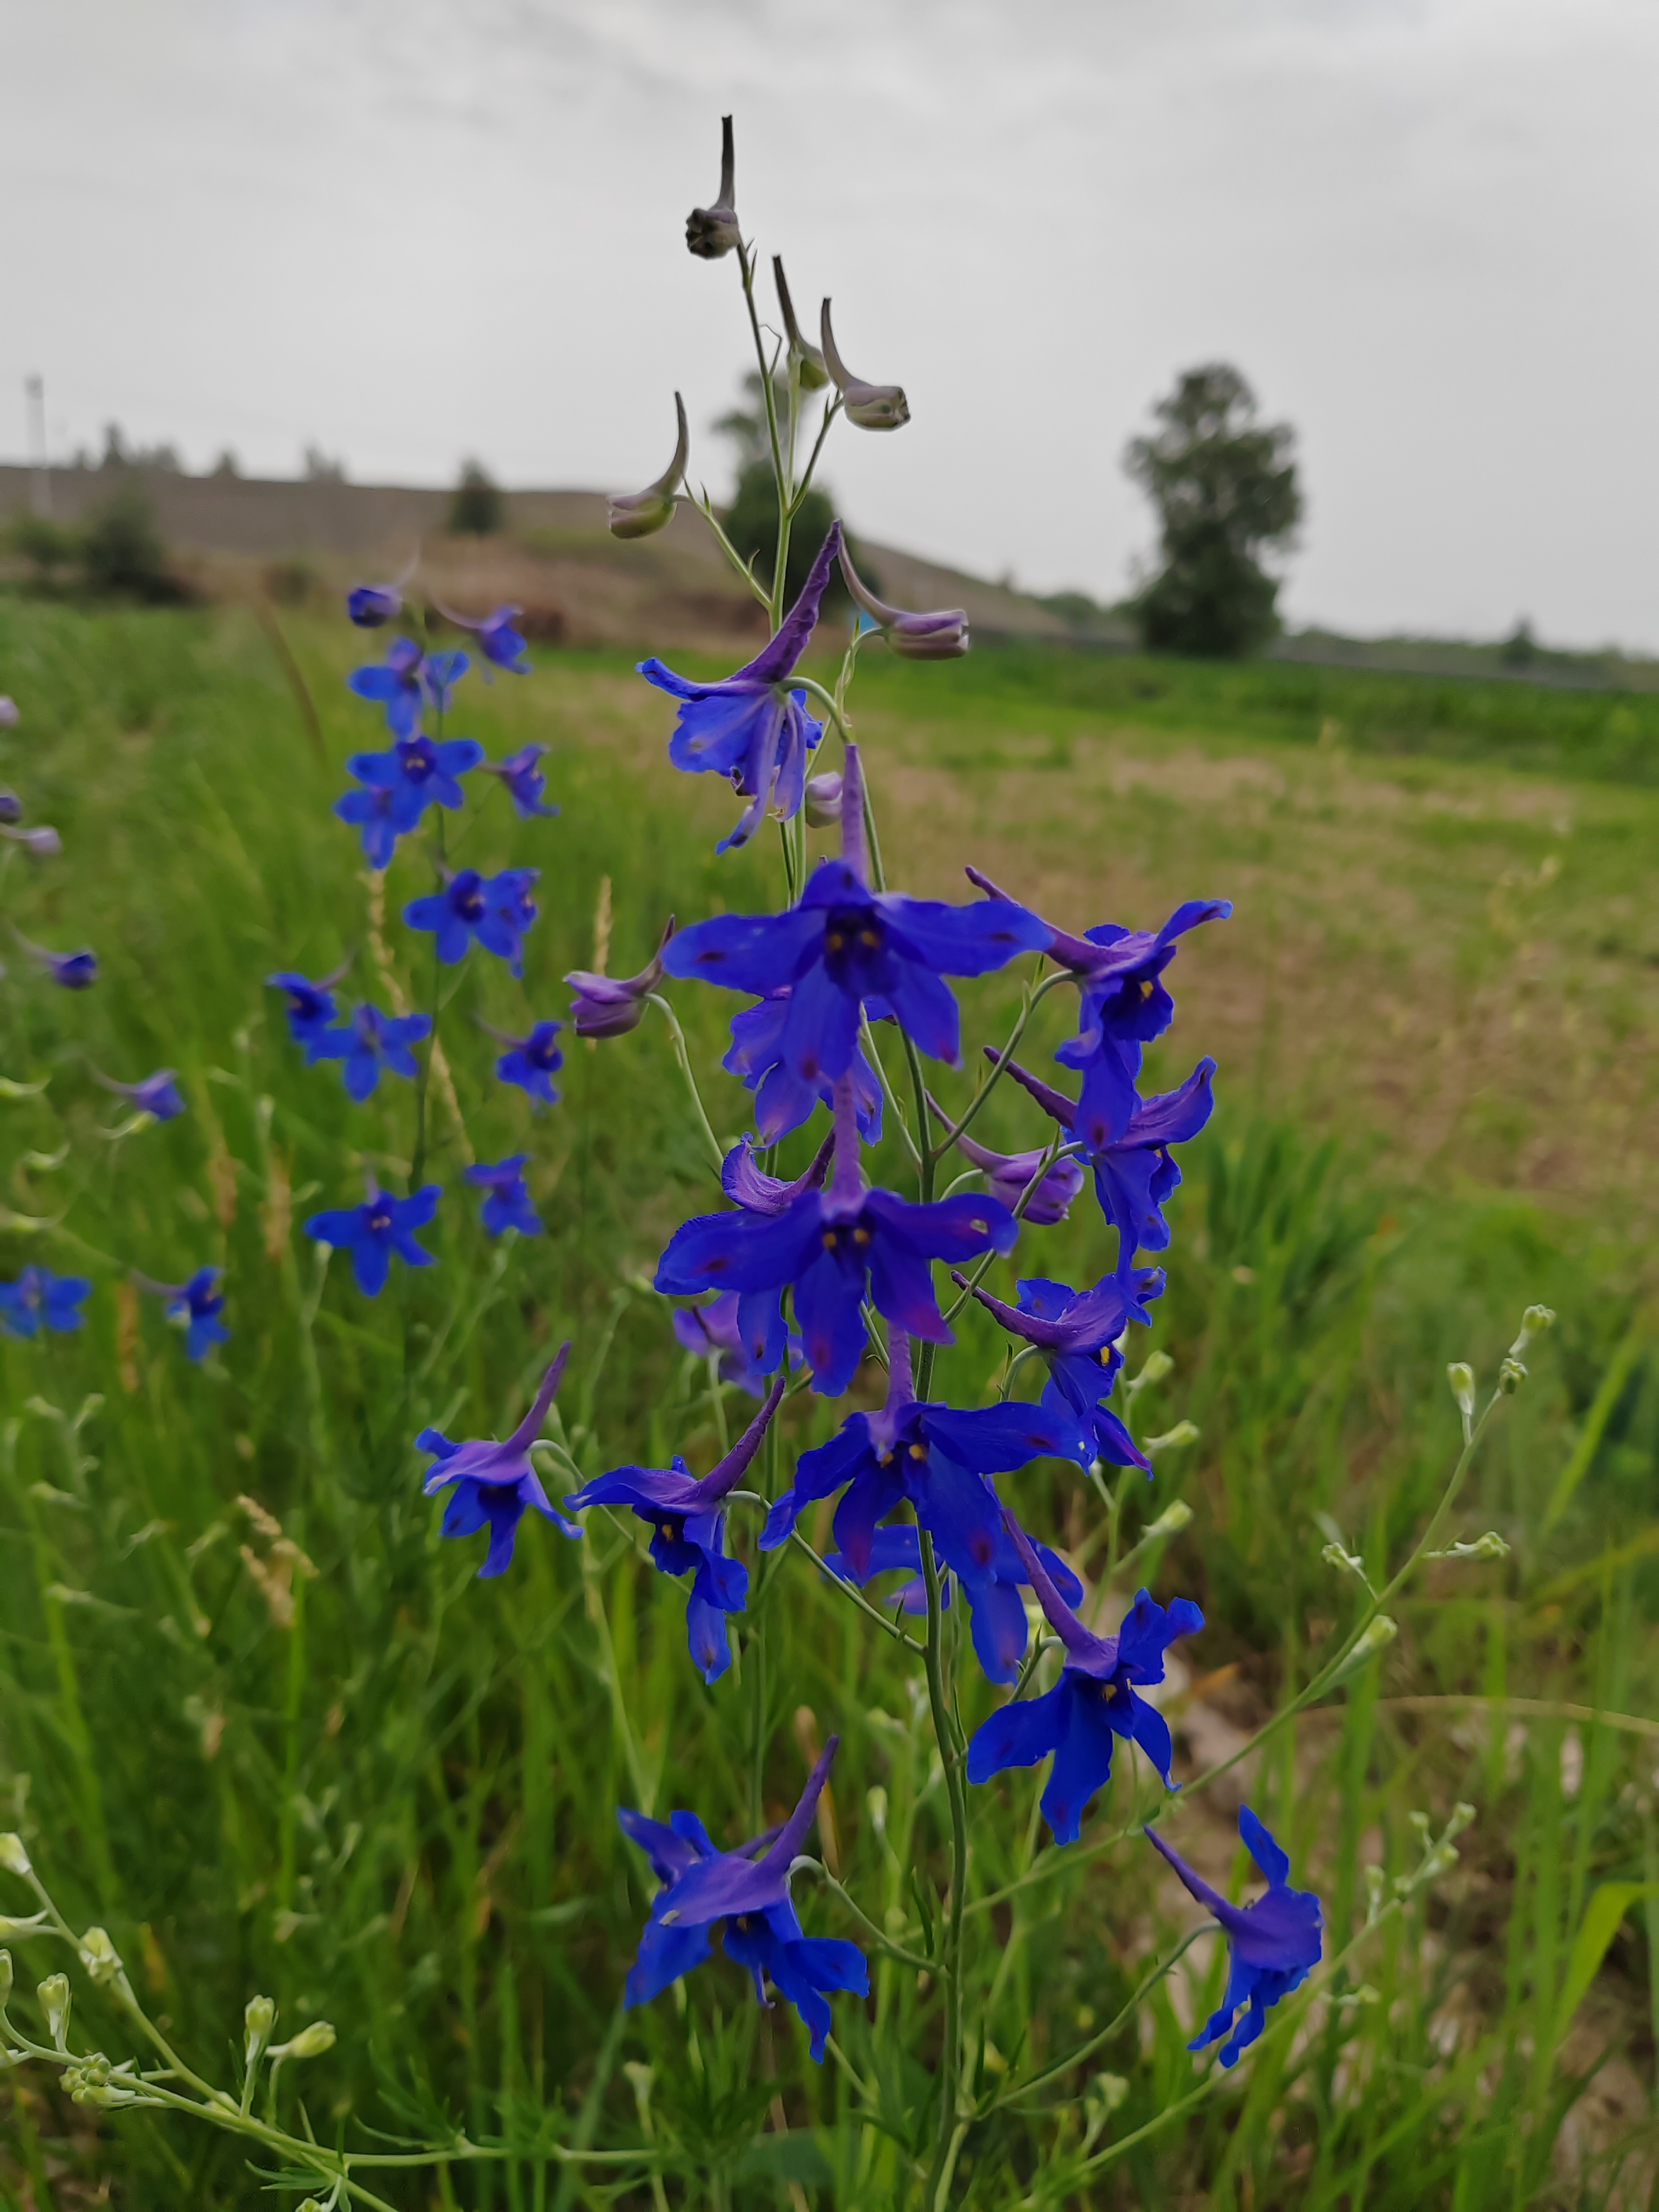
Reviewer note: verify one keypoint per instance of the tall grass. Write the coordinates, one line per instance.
(382, 1792)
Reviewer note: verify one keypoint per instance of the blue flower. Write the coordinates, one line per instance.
(1135, 1175)
(370, 1042)
(494, 910)
(372, 1232)
(415, 773)
(752, 726)
(1275, 1943)
(370, 606)
(784, 1100)
(1079, 1333)
(196, 1307)
(407, 679)
(310, 1008)
(844, 946)
(39, 1299)
(1009, 1174)
(371, 811)
(157, 1094)
(495, 1482)
(74, 971)
(932, 1458)
(995, 1607)
(611, 1006)
(749, 1890)
(508, 1205)
(502, 645)
(1124, 1005)
(532, 1061)
(715, 1332)
(524, 780)
(1093, 1703)
(687, 1520)
(11, 807)
(823, 1245)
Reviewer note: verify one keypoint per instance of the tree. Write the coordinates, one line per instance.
(1226, 490)
(475, 511)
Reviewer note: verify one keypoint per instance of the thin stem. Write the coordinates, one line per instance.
(852, 1590)
(895, 1950)
(1062, 2067)
(744, 568)
(1033, 1000)
(945, 1735)
(806, 483)
(781, 476)
(716, 1156)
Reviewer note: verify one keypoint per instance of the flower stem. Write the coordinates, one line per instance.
(948, 2142)
(716, 1157)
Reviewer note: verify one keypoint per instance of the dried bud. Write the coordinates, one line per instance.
(942, 635)
(639, 514)
(872, 406)
(372, 605)
(809, 361)
(711, 232)
(54, 1996)
(824, 799)
(13, 1857)
(99, 1956)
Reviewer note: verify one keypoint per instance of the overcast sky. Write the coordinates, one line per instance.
(1423, 228)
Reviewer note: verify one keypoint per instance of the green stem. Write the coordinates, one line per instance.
(852, 1591)
(716, 1156)
(945, 1735)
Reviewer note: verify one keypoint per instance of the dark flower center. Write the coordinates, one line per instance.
(470, 906)
(379, 1219)
(494, 1496)
(544, 1053)
(419, 764)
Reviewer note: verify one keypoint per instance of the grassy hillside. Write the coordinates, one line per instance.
(384, 1792)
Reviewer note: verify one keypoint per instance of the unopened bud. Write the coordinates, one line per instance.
(1375, 1883)
(809, 361)
(1511, 1376)
(13, 1857)
(1184, 1432)
(5, 1978)
(1153, 1369)
(10, 716)
(372, 605)
(258, 2018)
(1462, 1815)
(11, 807)
(941, 635)
(310, 2043)
(1460, 1376)
(711, 232)
(824, 799)
(98, 1956)
(1347, 1563)
(872, 406)
(1489, 1546)
(1534, 1323)
(1377, 1636)
(1171, 1521)
(44, 843)
(54, 1996)
(875, 1804)
(639, 513)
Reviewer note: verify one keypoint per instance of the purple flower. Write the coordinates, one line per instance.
(11, 807)
(372, 1232)
(1093, 1703)
(508, 1205)
(39, 1299)
(932, 1458)
(687, 1520)
(369, 1042)
(1135, 1173)
(868, 406)
(1275, 1943)
(41, 844)
(524, 780)
(844, 946)
(995, 1608)
(372, 605)
(942, 635)
(495, 1482)
(415, 773)
(196, 1306)
(394, 683)
(1009, 1175)
(372, 811)
(157, 1095)
(824, 1245)
(75, 971)
(749, 1890)
(502, 645)
(714, 1331)
(752, 726)
(1124, 1005)
(611, 1006)
(310, 1008)
(492, 909)
(532, 1061)
(784, 1100)
(1079, 1335)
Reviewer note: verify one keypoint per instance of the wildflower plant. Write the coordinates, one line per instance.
(801, 1280)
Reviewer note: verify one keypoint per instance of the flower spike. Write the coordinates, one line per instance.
(711, 232)
(941, 635)
(872, 406)
(639, 513)
(811, 369)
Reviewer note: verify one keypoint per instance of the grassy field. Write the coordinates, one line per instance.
(383, 1792)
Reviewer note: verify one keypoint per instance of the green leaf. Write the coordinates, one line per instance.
(1610, 1902)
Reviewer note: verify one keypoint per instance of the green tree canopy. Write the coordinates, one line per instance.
(1226, 490)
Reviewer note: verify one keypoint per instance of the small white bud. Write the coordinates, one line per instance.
(1462, 1815)
(1171, 1521)
(1375, 1883)
(875, 1804)
(310, 2043)
(1534, 1323)
(54, 1996)
(1347, 1563)
(5, 1978)
(13, 1857)
(258, 2019)
(1460, 1376)
(1377, 1636)
(1511, 1376)
(1153, 1369)
(1184, 1432)
(99, 1956)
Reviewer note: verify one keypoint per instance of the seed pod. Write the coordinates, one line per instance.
(711, 232)
(872, 406)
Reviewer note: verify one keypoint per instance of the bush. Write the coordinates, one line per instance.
(122, 552)
(477, 509)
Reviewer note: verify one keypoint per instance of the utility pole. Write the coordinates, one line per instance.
(40, 487)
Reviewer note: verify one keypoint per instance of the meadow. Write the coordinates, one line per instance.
(258, 1722)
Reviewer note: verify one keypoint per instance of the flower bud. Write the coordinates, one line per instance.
(44, 843)
(1511, 1376)
(809, 361)
(824, 799)
(1170, 1521)
(1347, 1563)
(372, 605)
(1460, 1376)
(10, 716)
(941, 635)
(1534, 1323)
(258, 2018)
(711, 232)
(11, 807)
(99, 1956)
(311, 2042)
(875, 1804)
(1375, 1883)
(54, 1996)
(872, 406)
(1377, 1637)
(5, 1978)
(1153, 1369)
(13, 1857)
(1184, 1432)
(639, 514)
(608, 1007)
